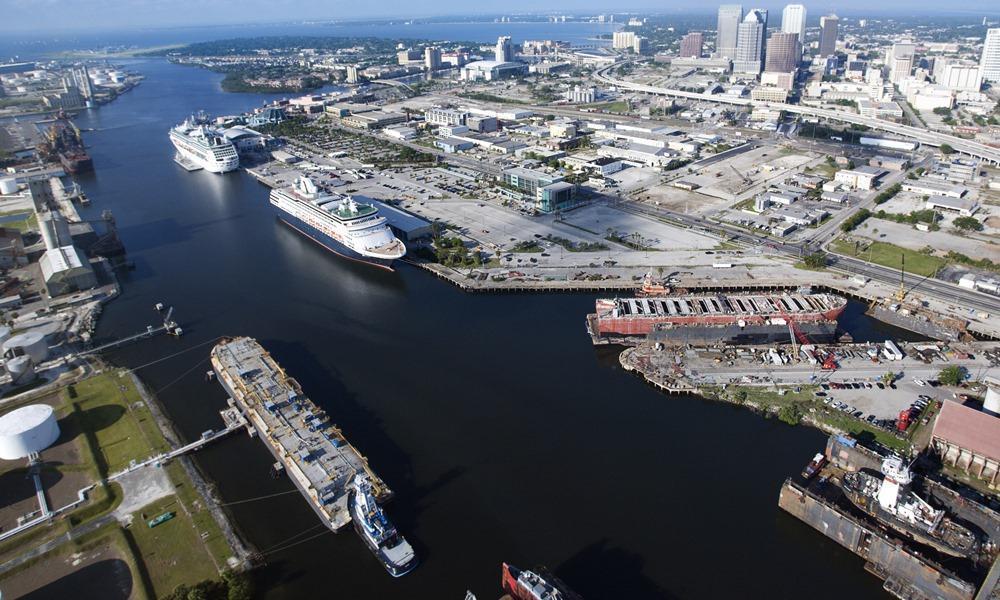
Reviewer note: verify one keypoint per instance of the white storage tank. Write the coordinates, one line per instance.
(21, 369)
(31, 343)
(28, 429)
(8, 185)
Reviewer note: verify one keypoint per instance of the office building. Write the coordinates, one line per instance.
(505, 49)
(352, 74)
(750, 43)
(692, 45)
(641, 46)
(491, 70)
(782, 52)
(989, 62)
(828, 26)
(793, 20)
(959, 77)
(405, 57)
(901, 61)
(730, 17)
(432, 58)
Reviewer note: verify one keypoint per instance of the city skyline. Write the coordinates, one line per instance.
(66, 16)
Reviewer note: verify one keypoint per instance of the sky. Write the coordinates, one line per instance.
(48, 16)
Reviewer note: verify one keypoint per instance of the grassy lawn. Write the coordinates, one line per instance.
(208, 529)
(171, 552)
(772, 397)
(112, 414)
(889, 255)
(619, 106)
(28, 223)
(857, 428)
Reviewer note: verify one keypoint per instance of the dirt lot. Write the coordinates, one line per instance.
(98, 573)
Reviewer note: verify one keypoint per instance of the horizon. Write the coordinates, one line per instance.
(26, 20)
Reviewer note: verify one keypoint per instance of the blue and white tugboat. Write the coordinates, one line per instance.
(394, 552)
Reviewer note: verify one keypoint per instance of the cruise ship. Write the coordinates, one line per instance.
(348, 228)
(893, 503)
(381, 537)
(712, 318)
(203, 146)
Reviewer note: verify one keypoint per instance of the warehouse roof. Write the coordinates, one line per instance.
(969, 428)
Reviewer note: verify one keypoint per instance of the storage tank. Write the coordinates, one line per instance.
(8, 185)
(31, 343)
(992, 402)
(26, 430)
(54, 230)
(21, 369)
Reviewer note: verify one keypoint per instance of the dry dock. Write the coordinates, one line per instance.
(300, 435)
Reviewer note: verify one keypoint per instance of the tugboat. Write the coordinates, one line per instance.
(814, 467)
(893, 503)
(528, 585)
(381, 537)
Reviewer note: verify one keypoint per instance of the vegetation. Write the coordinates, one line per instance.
(888, 193)
(968, 224)
(816, 260)
(28, 222)
(890, 255)
(287, 43)
(577, 246)
(952, 375)
(236, 81)
(982, 263)
(527, 246)
(451, 252)
(790, 413)
(854, 220)
(946, 149)
(618, 106)
(484, 97)
(928, 216)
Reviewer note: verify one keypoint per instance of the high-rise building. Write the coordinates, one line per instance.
(751, 45)
(81, 78)
(828, 26)
(641, 46)
(622, 40)
(692, 45)
(352, 74)
(782, 52)
(901, 61)
(989, 62)
(432, 58)
(730, 16)
(505, 49)
(793, 20)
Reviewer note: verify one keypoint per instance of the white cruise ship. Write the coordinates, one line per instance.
(340, 224)
(198, 143)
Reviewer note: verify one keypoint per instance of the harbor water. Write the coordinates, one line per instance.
(505, 435)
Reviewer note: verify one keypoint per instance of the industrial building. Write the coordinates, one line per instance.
(65, 270)
(968, 439)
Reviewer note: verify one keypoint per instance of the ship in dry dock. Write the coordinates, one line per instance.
(300, 435)
(757, 318)
(892, 502)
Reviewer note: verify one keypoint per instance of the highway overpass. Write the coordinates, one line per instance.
(924, 136)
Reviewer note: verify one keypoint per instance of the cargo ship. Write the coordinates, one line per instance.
(63, 142)
(378, 533)
(341, 224)
(891, 501)
(312, 450)
(529, 585)
(203, 146)
(717, 318)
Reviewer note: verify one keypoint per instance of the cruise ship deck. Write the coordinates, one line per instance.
(314, 452)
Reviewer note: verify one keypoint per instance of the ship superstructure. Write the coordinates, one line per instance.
(530, 585)
(200, 144)
(341, 224)
(711, 318)
(890, 500)
(378, 533)
(310, 448)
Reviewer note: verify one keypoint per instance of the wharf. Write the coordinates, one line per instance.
(300, 435)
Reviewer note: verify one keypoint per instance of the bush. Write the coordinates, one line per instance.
(946, 149)
(854, 220)
(816, 260)
(952, 375)
(968, 224)
(791, 414)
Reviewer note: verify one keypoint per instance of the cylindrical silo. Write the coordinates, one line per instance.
(31, 343)
(21, 369)
(8, 185)
(26, 430)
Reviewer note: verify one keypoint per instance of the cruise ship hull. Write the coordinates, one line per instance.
(211, 166)
(330, 243)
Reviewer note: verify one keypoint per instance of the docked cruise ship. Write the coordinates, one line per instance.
(203, 146)
(340, 224)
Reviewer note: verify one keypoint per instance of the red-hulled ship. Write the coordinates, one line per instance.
(529, 585)
(714, 318)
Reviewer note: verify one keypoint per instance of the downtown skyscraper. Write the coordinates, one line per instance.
(751, 43)
(828, 26)
(782, 52)
(989, 62)
(793, 20)
(730, 16)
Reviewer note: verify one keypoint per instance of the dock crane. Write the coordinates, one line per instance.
(827, 360)
(747, 182)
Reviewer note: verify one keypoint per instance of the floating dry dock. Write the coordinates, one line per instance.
(299, 434)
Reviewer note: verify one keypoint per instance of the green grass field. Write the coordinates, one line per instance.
(28, 223)
(171, 552)
(889, 255)
(619, 106)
